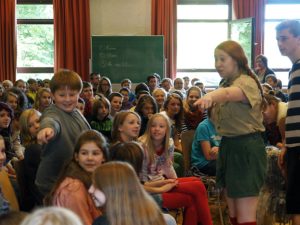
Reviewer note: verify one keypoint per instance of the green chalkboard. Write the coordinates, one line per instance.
(133, 57)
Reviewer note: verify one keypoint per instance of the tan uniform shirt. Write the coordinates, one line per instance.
(239, 118)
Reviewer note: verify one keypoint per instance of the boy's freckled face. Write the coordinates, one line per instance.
(66, 99)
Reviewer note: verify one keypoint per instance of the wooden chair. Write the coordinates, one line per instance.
(187, 138)
(8, 190)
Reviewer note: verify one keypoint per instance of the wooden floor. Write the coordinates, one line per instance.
(215, 215)
(214, 212)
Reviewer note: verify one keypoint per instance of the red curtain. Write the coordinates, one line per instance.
(163, 22)
(72, 36)
(256, 9)
(8, 40)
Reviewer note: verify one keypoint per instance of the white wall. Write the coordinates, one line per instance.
(120, 17)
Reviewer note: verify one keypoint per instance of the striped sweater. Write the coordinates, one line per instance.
(292, 124)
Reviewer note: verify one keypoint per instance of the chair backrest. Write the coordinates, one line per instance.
(8, 190)
(187, 138)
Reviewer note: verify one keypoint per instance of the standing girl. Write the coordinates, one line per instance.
(237, 116)
(158, 165)
(71, 188)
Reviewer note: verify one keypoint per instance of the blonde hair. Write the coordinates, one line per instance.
(147, 140)
(271, 99)
(52, 216)
(37, 103)
(127, 203)
(159, 90)
(24, 126)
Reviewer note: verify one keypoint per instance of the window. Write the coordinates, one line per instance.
(275, 13)
(35, 39)
(200, 28)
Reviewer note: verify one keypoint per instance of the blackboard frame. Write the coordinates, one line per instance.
(133, 57)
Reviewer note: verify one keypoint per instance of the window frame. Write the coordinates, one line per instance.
(276, 2)
(35, 22)
(205, 2)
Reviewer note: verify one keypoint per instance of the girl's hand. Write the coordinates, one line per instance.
(214, 152)
(205, 102)
(169, 181)
(168, 187)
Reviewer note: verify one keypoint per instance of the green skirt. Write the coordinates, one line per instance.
(242, 165)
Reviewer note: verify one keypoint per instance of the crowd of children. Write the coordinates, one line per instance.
(60, 140)
(48, 167)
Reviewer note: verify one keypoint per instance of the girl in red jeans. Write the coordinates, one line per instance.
(189, 192)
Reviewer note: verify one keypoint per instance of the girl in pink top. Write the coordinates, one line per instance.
(71, 188)
(189, 192)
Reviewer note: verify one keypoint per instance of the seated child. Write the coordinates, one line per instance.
(43, 99)
(116, 183)
(71, 188)
(205, 148)
(158, 165)
(52, 216)
(101, 119)
(160, 95)
(272, 80)
(29, 125)
(81, 105)
(127, 84)
(126, 104)
(192, 115)
(274, 115)
(115, 100)
(88, 96)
